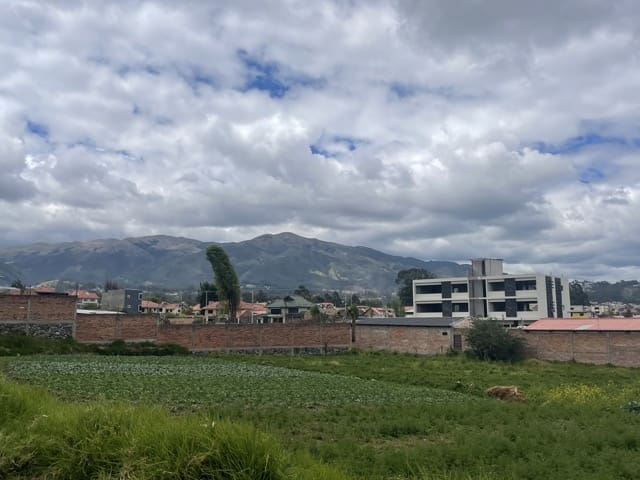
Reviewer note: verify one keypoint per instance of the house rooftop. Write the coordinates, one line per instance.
(585, 324)
(408, 322)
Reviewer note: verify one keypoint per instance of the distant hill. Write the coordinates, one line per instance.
(277, 261)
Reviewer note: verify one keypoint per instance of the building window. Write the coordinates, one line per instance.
(525, 284)
(444, 334)
(459, 288)
(461, 307)
(429, 307)
(429, 289)
(497, 307)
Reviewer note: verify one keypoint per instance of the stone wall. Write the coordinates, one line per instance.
(48, 330)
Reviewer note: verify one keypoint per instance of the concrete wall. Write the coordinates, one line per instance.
(616, 348)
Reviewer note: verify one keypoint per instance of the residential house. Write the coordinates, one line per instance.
(287, 309)
(246, 313)
(126, 300)
(85, 298)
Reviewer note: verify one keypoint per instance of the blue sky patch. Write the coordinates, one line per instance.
(591, 175)
(576, 144)
(323, 146)
(263, 76)
(273, 78)
(39, 129)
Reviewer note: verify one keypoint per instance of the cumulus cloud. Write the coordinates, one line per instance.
(443, 130)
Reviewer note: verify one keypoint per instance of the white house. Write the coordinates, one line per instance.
(487, 292)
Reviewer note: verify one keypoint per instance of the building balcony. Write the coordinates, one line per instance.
(428, 297)
(428, 314)
(460, 296)
(527, 294)
(498, 294)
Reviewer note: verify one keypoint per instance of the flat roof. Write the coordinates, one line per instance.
(586, 324)
(408, 321)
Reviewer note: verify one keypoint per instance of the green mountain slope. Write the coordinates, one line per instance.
(277, 261)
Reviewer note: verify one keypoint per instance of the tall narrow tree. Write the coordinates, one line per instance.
(226, 280)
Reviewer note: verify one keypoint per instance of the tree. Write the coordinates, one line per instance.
(226, 280)
(353, 313)
(303, 292)
(577, 295)
(405, 279)
(398, 307)
(315, 313)
(110, 285)
(489, 340)
(17, 283)
(207, 293)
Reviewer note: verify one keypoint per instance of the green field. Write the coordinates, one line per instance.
(378, 416)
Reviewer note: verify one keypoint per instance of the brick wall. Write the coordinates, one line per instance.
(223, 337)
(616, 348)
(420, 340)
(96, 328)
(50, 316)
(37, 308)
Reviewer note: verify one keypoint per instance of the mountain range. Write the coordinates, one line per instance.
(280, 261)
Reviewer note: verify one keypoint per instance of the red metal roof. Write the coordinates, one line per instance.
(586, 324)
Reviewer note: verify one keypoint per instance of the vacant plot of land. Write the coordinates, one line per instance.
(379, 416)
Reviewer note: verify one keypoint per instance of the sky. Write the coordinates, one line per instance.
(433, 129)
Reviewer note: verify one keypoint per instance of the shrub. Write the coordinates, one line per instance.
(489, 340)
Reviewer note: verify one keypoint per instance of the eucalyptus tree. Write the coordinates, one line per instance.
(226, 280)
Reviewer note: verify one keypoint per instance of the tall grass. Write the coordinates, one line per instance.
(42, 437)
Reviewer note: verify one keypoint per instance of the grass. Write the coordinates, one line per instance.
(41, 437)
(21, 344)
(381, 416)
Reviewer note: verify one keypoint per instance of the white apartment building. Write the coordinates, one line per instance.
(487, 292)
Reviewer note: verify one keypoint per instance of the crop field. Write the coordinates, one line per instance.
(384, 416)
(183, 382)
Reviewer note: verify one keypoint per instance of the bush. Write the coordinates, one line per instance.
(489, 340)
(120, 347)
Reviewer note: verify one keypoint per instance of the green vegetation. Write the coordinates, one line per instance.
(405, 279)
(370, 415)
(20, 344)
(187, 382)
(226, 280)
(489, 340)
(44, 438)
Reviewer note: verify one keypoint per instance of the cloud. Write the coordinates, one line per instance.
(432, 129)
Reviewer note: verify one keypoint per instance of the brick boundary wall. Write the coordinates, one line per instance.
(49, 316)
(37, 308)
(615, 348)
(407, 339)
(105, 328)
